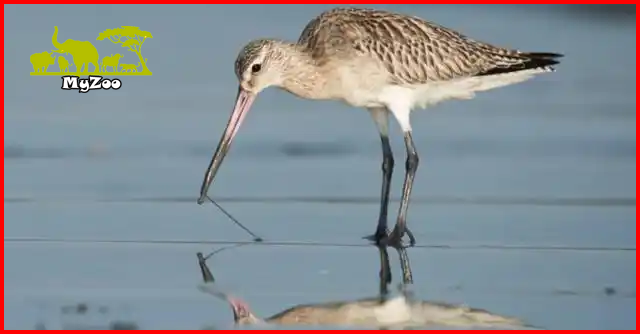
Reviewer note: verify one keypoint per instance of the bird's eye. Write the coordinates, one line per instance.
(256, 68)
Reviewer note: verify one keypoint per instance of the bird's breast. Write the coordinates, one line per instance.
(357, 82)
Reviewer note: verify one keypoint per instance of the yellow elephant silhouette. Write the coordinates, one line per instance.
(83, 52)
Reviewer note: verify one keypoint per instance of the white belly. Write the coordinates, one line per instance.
(423, 96)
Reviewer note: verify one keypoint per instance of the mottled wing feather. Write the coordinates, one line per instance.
(413, 51)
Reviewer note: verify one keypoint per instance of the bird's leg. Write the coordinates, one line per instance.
(380, 116)
(387, 172)
(395, 238)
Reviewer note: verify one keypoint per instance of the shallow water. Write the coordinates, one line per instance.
(524, 203)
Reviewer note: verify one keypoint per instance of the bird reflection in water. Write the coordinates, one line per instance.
(383, 311)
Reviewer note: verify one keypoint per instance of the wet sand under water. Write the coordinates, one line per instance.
(524, 269)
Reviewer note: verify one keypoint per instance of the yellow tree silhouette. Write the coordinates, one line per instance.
(131, 38)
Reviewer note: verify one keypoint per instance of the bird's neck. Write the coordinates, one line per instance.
(302, 76)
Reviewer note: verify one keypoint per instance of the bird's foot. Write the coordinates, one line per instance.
(378, 237)
(393, 239)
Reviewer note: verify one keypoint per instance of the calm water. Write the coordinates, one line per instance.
(524, 201)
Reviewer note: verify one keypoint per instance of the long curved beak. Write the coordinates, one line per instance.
(244, 100)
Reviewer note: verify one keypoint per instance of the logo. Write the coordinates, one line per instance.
(84, 60)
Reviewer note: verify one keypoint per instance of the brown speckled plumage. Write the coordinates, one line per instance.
(413, 50)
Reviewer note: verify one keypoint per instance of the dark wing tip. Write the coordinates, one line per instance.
(550, 55)
(530, 60)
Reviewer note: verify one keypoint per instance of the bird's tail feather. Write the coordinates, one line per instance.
(528, 61)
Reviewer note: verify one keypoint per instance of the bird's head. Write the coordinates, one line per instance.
(260, 64)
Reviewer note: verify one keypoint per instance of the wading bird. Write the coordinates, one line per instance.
(385, 62)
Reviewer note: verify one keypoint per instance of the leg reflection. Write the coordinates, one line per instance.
(385, 273)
